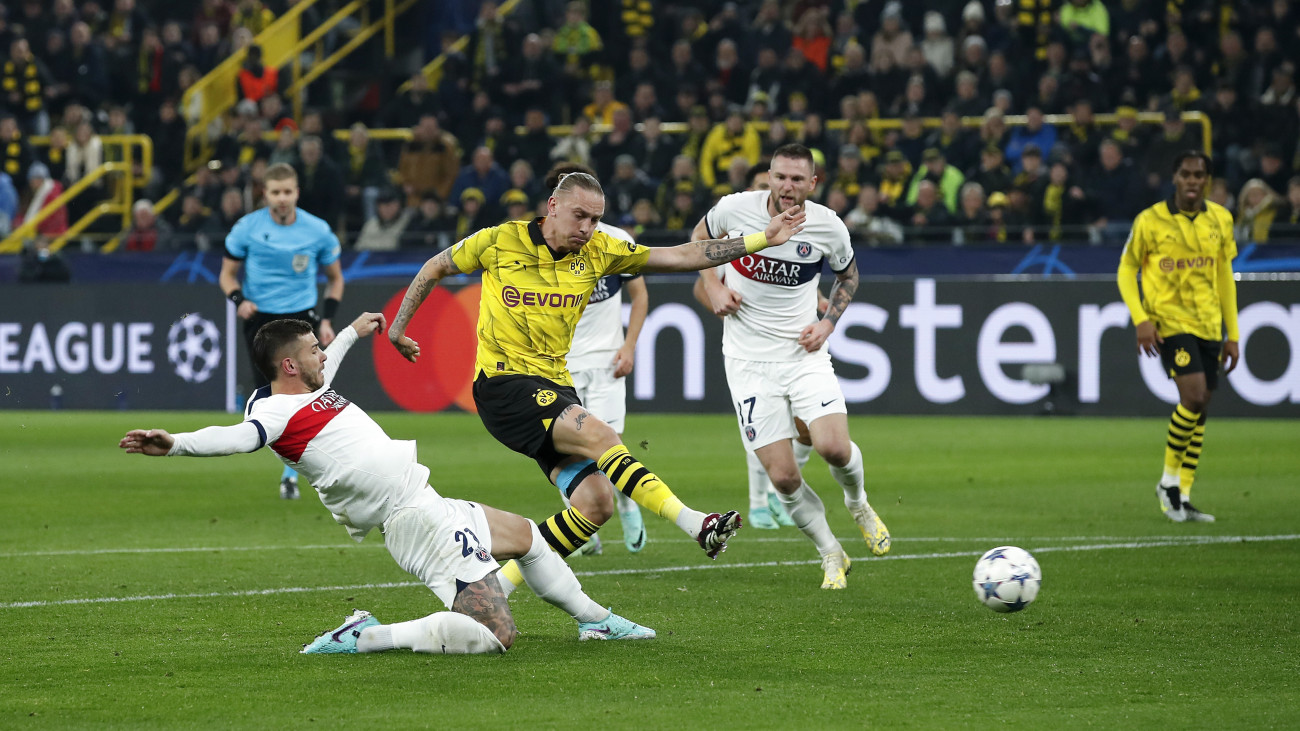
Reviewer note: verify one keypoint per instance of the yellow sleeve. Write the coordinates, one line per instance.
(1130, 263)
(470, 252)
(753, 145)
(1228, 296)
(622, 257)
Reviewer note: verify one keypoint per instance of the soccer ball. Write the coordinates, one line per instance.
(1007, 579)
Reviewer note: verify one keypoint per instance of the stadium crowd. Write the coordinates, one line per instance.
(685, 98)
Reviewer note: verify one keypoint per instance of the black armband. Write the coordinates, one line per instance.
(236, 296)
(331, 308)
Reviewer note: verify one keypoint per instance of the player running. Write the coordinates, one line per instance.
(777, 362)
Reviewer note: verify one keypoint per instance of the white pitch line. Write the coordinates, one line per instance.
(1185, 541)
(749, 538)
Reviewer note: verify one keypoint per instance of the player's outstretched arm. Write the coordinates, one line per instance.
(439, 266)
(153, 442)
(709, 290)
(697, 255)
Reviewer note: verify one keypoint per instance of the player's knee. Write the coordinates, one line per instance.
(786, 482)
(836, 455)
(1196, 401)
(594, 498)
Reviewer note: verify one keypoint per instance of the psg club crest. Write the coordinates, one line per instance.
(804, 250)
(482, 554)
(750, 433)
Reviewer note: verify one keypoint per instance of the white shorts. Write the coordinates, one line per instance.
(603, 395)
(440, 541)
(768, 395)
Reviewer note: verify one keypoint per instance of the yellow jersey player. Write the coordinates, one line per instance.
(1183, 250)
(537, 276)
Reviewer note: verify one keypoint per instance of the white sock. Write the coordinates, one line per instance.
(625, 503)
(802, 452)
(809, 515)
(552, 580)
(443, 633)
(758, 482)
(851, 479)
(690, 521)
(1169, 479)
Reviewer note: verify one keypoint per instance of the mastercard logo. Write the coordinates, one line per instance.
(444, 326)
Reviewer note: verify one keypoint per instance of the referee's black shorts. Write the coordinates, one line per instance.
(259, 318)
(519, 412)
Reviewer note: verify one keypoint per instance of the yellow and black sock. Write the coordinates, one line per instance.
(1191, 458)
(1181, 425)
(567, 530)
(631, 478)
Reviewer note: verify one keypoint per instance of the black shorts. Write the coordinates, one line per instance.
(519, 412)
(1186, 354)
(259, 318)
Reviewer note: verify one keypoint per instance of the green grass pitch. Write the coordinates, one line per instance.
(200, 586)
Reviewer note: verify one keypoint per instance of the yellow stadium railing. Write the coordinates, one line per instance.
(124, 185)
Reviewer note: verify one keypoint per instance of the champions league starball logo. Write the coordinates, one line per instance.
(194, 348)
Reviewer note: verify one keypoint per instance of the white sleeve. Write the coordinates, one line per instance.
(840, 250)
(217, 441)
(337, 349)
(718, 219)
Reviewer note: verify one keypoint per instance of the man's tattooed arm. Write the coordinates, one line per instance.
(441, 265)
(846, 285)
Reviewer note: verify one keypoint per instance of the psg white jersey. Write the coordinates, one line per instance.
(778, 286)
(600, 330)
(356, 468)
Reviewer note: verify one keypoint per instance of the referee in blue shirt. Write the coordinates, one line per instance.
(281, 247)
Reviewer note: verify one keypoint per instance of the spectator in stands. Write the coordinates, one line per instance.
(127, 21)
(534, 145)
(524, 179)
(576, 146)
(1115, 191)
(228, 214)
(603, 104)
(1256, 210)
(497, 136)
(801, 77)
(211, 50)
(484, 175)
(24, 81)
(623, 139)
(911, 140)
(44, 190)
(516, 205)
(412, 104)
(968, 103)
(660, 149)
(1019, 215)
(768, 31)
(937, 46)
(81, 78)
(682, 212)
(998, 231)
(729, 73)
(1032, 177)
(893, 39)
(973, 223)
(55, 154)
(577, 45)
(285, 150)
(1063, 207)
(384, 230)
(319, 180)
(471, 216)
(215, 13)
(644, 217)
(1034, 132)
(639, 71)
(1286, 222)
(1136, 76)
(430, 227)
(993, 173)
(256, 80)
(364, 173)
(1231, 123)
(628, 185)
(530, 80)
(251, 14)
(168, 135)
(1083, 135)
(866, 222)
(1082, 18)
(194, 226)
(960, 147)
(272, 109)
(1161, 151)
(15, 154)
(895, 177)
(429, 162)
(1184, 96)
(946, 179)
(8, 204)
(645, 103)
(148, 232)
(733, 138)
(928, 216)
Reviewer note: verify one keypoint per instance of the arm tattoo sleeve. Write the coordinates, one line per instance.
(421, 287)
(846, 285)
(721, 251)
(484, 602)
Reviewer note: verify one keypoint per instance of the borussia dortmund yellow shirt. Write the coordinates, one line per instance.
(532, 296)
(1186, 271)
